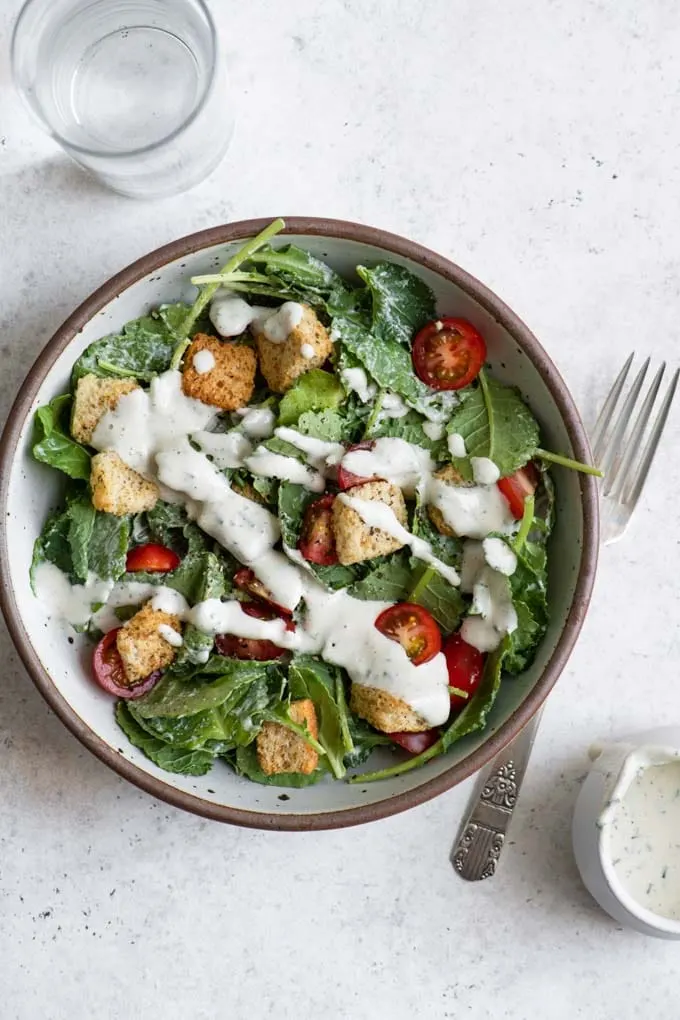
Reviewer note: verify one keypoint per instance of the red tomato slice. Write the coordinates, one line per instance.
(109, 673)
(517, 487)
(317, 541)
(414, 628)
(151, 557)
(245, 579)
(259, 649)
(448, 354)
(465, 665)
(416, 743)
(346, 479)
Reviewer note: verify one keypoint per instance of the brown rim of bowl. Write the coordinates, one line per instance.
(527, 341)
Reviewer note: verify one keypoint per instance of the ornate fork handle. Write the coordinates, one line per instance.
(480, 842)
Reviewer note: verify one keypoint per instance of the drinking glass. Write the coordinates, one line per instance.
(135, 91)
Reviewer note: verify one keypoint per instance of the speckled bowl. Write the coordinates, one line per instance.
(28, 491)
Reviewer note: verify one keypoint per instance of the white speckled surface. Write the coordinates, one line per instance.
(536, 144)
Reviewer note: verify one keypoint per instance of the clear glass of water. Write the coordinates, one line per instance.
(133, 90)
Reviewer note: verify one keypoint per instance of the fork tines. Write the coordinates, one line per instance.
(624, 448)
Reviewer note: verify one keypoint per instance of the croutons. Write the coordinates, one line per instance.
(385, 712)
(140, 645)
(282, 363)
(281, 750)
(451, 476)
(117, 489)
(356, 541)
(94, 397)
(229, 383)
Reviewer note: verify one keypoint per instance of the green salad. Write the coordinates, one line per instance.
(301, 519)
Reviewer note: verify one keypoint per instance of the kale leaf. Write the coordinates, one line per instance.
(402, 302)
(53, 445)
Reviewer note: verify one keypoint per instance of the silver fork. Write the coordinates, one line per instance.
(624, 445)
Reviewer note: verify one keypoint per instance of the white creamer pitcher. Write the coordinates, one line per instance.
(625, 828)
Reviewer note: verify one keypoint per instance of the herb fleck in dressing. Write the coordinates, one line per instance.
(644, 838)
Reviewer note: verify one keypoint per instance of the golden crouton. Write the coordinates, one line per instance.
(451, 476)
(281, 750)
(281, 364)
(356, 541)
(117, 489)
(94, 397)
(230, 383)
(141, 647)
(385, 712)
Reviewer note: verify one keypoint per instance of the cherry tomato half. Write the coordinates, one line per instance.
(109, 672)
(448, 354)
(414, 628)
(245, 579)
(151, 557)
(517, 487)
(465, 665)
(259, 649)
(416, 743)
(346, 479)
(317, 541)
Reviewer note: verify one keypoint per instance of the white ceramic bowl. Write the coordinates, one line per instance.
(28, 491)
(591, 838)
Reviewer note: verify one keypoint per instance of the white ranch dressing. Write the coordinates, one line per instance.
(145, 421)
(392, 406)
(257, 422)
(307, 352)
(231, 316)
(641, 824)
(401, 463)
(356, 380)
(123, 593)
(379, 515)
(484, 471)
(288, 469)
(456, 445)
(499, 556)
(170, 635)
(227, 449)
(472, 511)
(320, 453)
(278, 326)
(493, 613)
(71, 602)
(433, 430)
(203, 361)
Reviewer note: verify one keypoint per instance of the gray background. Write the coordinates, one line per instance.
(537, 144)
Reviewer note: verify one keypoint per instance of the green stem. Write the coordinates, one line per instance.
(567, 462)
(301, 731)
(405, 766)
(233, 278)
(208, 292)
(457, 691)
(489, 410)
(125, 373)
(525, 526)
(377, 407)
(422, 583)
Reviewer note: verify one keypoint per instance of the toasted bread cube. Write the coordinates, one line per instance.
(356, 541)
(451, 476)
(281, 750)
(94, 397)
(117, 489)
(141, 646)
(385, 712)
(229, 384)
(282, 363)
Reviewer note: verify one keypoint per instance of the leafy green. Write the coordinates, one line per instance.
(246, 764)
(108, 546)
(52, 545)
(314, 391)
(323, 683)
(437, 595)
(174, 697)
(473, 717)
(409, 428)
(496, 423)
(446, 548)
(390, 582)
(141, 350)
(51, 443)
(328, 425)
(402, 302)
(205, 729)
(201, 580)
(528, 585)
(172, 759)
(364, 739)
(81, 517)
